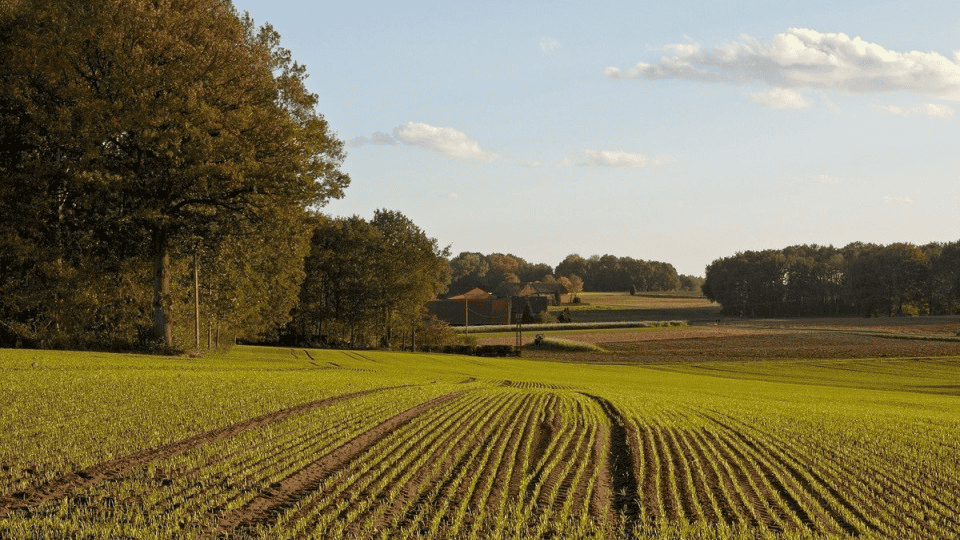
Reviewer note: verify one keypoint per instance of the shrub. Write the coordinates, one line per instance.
(545, 317)
(436, 333)
(566, 345)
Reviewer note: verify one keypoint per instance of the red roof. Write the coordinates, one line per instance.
(473, 294)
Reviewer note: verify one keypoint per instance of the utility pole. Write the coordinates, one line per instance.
(196, 300)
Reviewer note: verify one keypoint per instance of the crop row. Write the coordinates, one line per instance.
(184, 494)
(488, 460)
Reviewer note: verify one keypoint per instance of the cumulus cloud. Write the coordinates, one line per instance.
(780, 99)
(802, 58)
(932, 110)
(906, 201)
(549, 45)
(620, 158)
(445, 140)
(378, 138)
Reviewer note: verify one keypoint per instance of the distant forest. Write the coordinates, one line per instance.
(606, 273)
(858, 279)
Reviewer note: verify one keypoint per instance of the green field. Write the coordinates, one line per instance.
(291, 443)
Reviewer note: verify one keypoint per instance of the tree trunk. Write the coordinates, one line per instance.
(162, 322)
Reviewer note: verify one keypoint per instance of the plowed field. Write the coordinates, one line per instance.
(747, 440)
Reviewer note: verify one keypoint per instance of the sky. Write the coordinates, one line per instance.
(677, 131)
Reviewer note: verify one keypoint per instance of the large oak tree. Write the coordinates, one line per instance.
(132, 126)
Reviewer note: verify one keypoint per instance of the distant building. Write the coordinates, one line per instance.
(505, 306)
(474, 308)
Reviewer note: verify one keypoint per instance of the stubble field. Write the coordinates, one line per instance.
(767, 431)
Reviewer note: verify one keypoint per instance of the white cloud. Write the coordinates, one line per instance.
(451, 196)
(929, 109)
(447, 141)
(549, 45)
(620, 158)
(801, 58)
(780, 98)
(906, 201)
(378, 138)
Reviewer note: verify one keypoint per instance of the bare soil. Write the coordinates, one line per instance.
(761, 339)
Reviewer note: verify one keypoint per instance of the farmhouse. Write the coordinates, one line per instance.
(478, 307)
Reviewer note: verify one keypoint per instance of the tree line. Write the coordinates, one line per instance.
(605, 273)
(858, 279)
(611, 273)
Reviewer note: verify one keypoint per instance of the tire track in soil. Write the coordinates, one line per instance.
(557, 475)
(619, 469)
(548, 437)
(63, 486)
(288, 491)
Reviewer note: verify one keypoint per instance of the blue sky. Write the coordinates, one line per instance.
(671, 131)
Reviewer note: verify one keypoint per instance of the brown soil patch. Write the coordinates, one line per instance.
(752, 343)
(619, 470)
(63, 486)
(944, 326)
(600, 337)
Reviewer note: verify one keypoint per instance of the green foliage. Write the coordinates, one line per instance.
(545, 317)
(436, 333)
(130, 129)
(862, 279)
(611, 273)
(364, 280)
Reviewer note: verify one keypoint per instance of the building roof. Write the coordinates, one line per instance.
(472, 294)
(530, 288)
